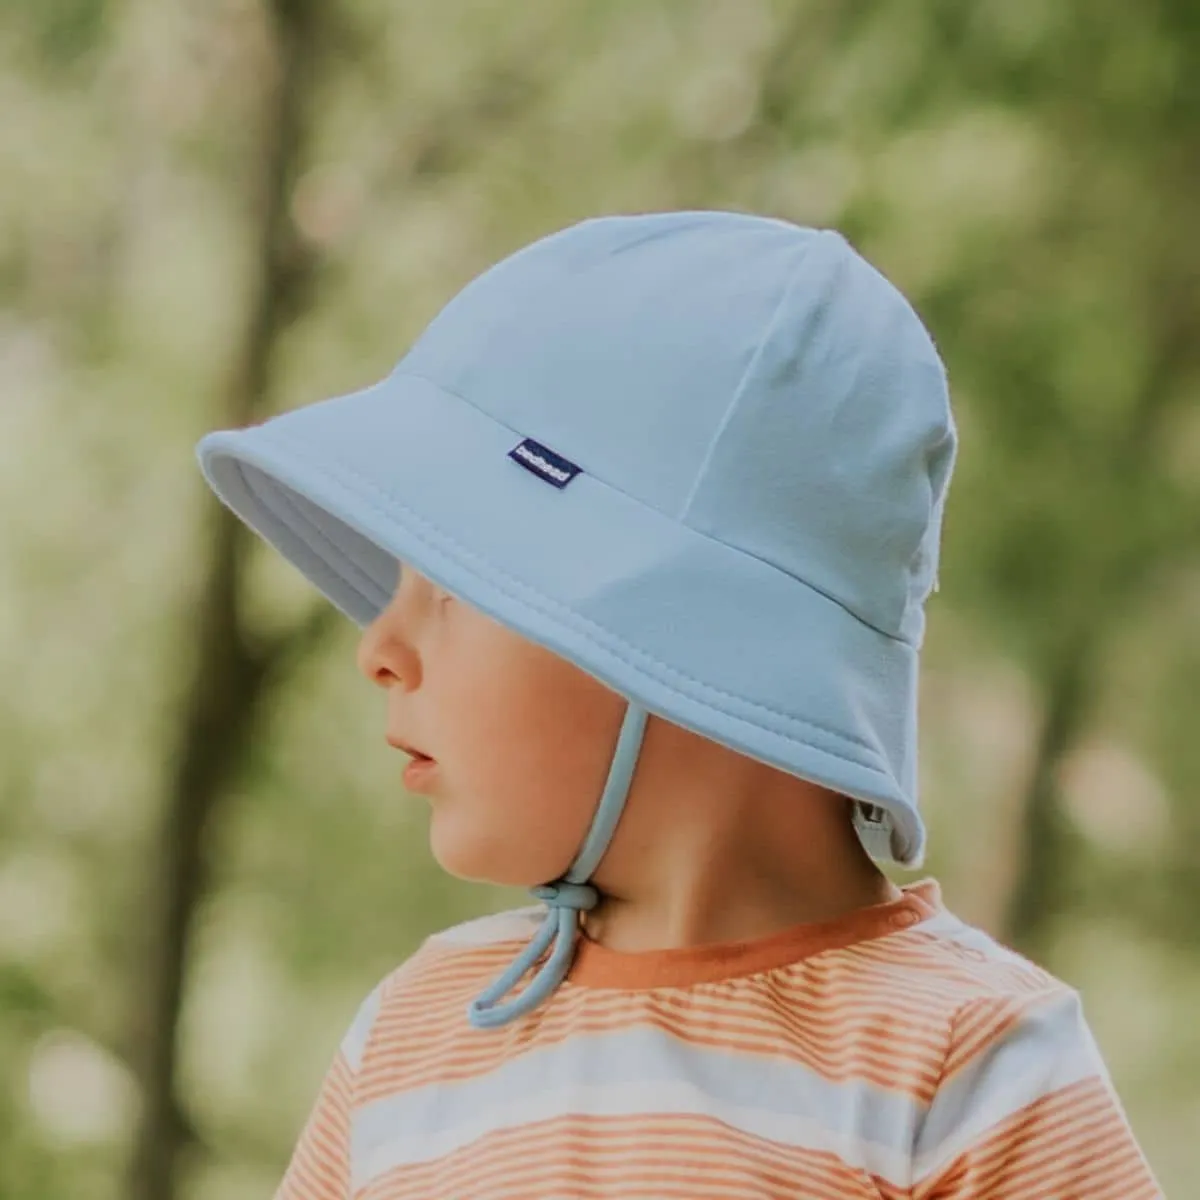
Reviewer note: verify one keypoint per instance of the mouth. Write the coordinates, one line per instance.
(421, 771)
(409, 749)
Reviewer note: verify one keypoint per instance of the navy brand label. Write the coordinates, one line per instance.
(544, 463)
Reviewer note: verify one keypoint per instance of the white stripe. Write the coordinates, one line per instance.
(636, 1071)
(658, 1098)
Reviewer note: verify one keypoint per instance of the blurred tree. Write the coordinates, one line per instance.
(235, 666)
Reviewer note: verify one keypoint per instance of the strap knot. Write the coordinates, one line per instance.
(578, 897)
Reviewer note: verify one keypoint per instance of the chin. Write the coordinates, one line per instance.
(477, 858)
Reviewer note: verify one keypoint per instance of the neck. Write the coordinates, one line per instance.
(781, 862)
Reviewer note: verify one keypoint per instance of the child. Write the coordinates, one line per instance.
(640, 532)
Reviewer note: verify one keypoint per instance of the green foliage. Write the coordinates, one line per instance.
(63, 33)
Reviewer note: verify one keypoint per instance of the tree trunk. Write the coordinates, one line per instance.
(230, 672)
(1043, 846)
(1041, 883)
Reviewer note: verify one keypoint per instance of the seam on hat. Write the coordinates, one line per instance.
(739, 390)
(654, 229)
(568, 615)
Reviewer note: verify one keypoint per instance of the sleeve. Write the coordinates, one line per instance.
(1025, 1109)
(320, 1166)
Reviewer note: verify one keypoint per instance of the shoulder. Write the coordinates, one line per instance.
(461, 951)
(948, 966)
(994, 1005)
(502, 928)
(1018, 1064)
(935, 991)
(1000, 1007)
(929, 999)
(441, 976)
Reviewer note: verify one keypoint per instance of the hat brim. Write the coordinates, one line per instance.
(701, 633)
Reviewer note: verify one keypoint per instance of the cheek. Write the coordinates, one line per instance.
(512, 835)
(528, 767)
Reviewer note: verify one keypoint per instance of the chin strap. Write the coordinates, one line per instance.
(566, 898)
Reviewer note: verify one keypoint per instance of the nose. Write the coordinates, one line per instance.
(385, 656)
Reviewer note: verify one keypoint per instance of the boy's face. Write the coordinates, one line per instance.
(522, 739)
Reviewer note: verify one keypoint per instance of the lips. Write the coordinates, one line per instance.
(408, 748)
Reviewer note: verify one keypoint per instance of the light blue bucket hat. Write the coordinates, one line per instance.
(702, 455)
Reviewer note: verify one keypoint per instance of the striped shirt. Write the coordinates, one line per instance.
(895, 1052)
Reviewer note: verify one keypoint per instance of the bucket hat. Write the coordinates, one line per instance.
(702, 455)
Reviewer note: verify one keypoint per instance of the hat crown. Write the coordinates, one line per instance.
(755, 380)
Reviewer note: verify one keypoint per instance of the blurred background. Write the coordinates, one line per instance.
(209, 212)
